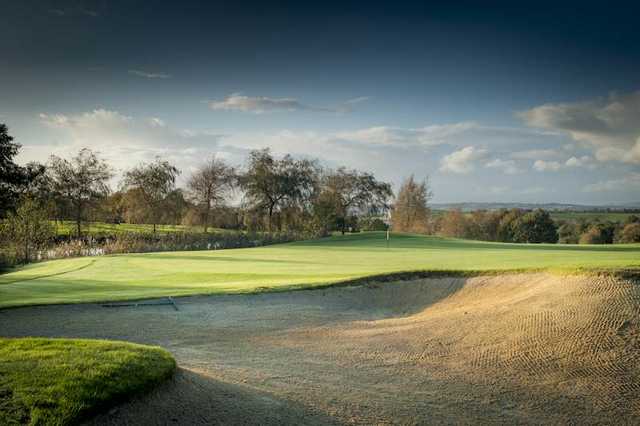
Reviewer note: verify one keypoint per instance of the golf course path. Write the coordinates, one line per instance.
(521, 348)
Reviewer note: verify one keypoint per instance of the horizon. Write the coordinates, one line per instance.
(508, 103)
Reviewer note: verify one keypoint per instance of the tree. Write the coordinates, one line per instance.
(598, 233)
(27, 229)
(209, 185)
(154, 182)
(79, 181)
(410, 212)
(15, 180)
(630, 233)
(351, 189)
(535, 227)
(271, 184)
(454, 224)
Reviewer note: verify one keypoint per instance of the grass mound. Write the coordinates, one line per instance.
(59, 381)
(283, 266)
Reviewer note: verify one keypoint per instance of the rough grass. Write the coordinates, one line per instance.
(299, 264)
(94, 228)
(59, 381)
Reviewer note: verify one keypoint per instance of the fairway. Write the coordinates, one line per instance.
(284, 266)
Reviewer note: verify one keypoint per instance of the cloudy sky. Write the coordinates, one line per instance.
(530, 103)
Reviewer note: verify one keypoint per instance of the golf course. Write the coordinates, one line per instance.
(293, 265)
(417, 329)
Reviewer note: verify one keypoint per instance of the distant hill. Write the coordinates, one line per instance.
(529, 206)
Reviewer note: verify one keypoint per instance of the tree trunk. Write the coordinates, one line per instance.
(270, 215)
(206, 217)
(79, 220)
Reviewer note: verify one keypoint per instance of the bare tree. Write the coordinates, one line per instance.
(209, 185)
(154, 182)
(79, 181)
(410, 210)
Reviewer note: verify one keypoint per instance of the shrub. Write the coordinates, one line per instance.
(630, 233)
(535, 227)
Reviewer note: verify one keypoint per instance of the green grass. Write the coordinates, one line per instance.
(93, 228)
(59, 381)
(277, 267)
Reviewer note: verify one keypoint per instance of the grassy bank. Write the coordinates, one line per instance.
(59, 381)
(275, 267)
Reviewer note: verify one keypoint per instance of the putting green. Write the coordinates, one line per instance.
(280, 266)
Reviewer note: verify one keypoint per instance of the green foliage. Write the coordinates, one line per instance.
(283, 266)
(15, 181)
(61, 381)
(599, 233)
(155, 184)
(353, 192)
(271, 185)
(26, 230)
(535, 227)
(79, 182)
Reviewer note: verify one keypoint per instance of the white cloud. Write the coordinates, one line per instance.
(147, 74)
(544, 166)
(610, 126)
(122, 140)
(509, 167)
(584, 161)
(463, 160)
(263, 104)
(626, 183)
(426, 136)
(573, 162)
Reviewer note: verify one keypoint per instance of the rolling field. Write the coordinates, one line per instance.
(284, 266)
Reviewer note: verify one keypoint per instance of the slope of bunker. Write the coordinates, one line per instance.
(524, 348)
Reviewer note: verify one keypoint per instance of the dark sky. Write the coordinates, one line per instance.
(347, 67)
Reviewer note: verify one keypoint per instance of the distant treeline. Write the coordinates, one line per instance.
(535, 226)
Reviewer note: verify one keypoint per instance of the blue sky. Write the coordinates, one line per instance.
(500, 102)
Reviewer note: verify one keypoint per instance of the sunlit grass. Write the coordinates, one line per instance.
(59, 381)
(305, 263)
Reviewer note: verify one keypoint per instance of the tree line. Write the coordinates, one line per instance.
(266, 193)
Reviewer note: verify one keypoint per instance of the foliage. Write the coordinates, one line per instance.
(154, 183)
(80, 181)
(293, 265)
(351, 192)
(15, 181)
(272, 184)
(599, 233)
(410, 211)
(26, 230)
(631, 233)
(535, 227)
(61, 381)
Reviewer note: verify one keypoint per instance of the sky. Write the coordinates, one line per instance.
(492, 101)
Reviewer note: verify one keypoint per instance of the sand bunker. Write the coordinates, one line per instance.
(529, 348)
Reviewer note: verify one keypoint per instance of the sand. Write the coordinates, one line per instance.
(523, 348)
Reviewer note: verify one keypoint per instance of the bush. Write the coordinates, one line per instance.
(599, 233)
(535, 227)
(630, 233)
